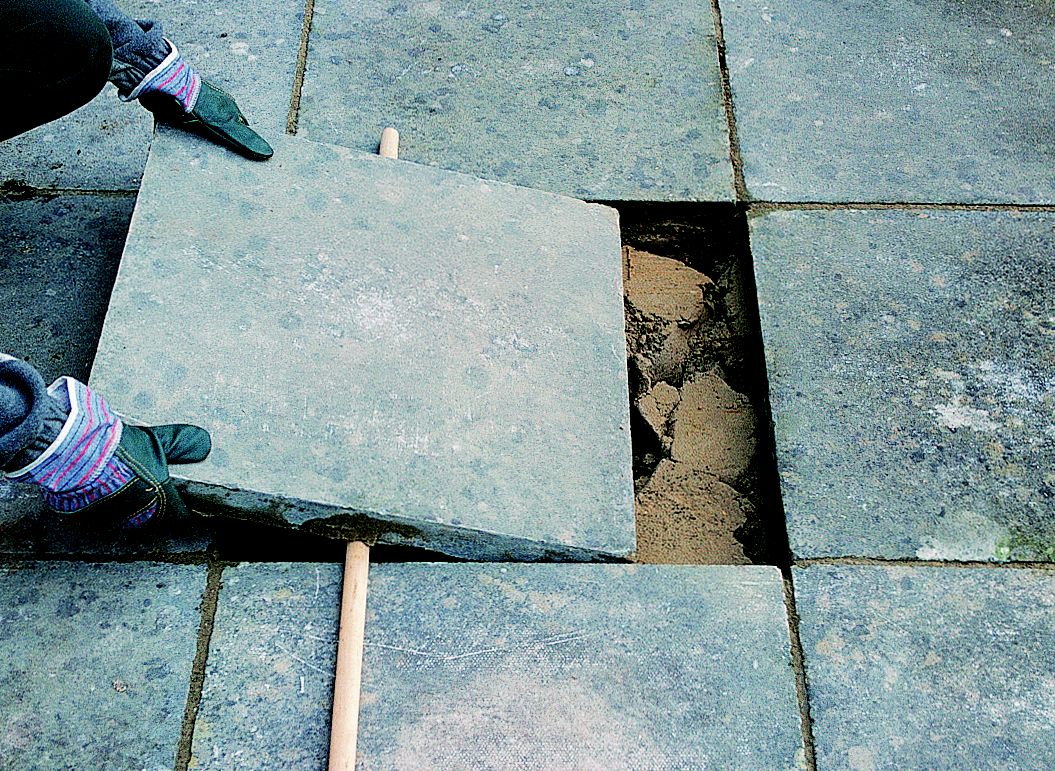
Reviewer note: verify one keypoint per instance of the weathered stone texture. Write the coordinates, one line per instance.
(380, 349)
(929, 667)
(911, 362)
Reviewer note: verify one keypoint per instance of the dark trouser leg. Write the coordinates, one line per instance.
(55, 56)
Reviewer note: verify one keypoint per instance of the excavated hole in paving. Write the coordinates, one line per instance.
(704, 469)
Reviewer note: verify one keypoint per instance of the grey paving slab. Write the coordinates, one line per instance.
(596, 100)
(59, 257)
(95, 662)
(905, 100)
(268, 687)
(246, 47)
(380, 349)
(911, 359)
(577, 666)
(501, 666)
(929, 667)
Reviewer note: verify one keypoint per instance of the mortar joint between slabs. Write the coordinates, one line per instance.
(739, 184)
(920, 563)
(302, 64)
(756, 208)
(798, 663)
(209, 604)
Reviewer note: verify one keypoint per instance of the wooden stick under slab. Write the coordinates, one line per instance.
(344, 724)
(389, 143)
(344, 727)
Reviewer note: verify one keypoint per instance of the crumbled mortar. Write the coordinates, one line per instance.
(696, 445)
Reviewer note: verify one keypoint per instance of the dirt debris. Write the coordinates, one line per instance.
(685, 516)
(697, 444)
(667, 291)
(714, 430)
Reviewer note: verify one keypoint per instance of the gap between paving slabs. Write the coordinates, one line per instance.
(704, 467)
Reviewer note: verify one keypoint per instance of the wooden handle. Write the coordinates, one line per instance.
(348, 681)
(344, 728)
(389, 143)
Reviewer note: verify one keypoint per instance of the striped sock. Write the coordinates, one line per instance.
(175, 77)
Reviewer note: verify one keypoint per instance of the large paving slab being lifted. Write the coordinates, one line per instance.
(929, 667)
(95, 663)
(500, 666)
(380, 349)
(906, 100)
(911, 359)
(247, 48)
(599, 100)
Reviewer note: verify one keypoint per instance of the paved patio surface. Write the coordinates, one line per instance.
(910, 358)
(910, 353)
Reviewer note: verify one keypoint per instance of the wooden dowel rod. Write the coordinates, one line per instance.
(344, 728)
(351, 636)
(389, 143)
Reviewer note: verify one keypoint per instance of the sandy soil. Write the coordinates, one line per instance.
(696, 439)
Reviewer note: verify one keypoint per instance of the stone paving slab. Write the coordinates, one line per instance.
(897, 101)
(929, 667)
(911, 359)
(95, 662)
(496, 666)
(380, 349)
(577, 666)
(245, 47)
(268, 687)
(60, 256)
(601, 101)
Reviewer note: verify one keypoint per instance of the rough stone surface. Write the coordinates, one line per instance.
(439, 355)
(577, 666)
(929, 667)
(599, 101)
(268, 687)
(95, 663)
(688, 516)
(906, 100)
(243, 48)
(910, 360)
